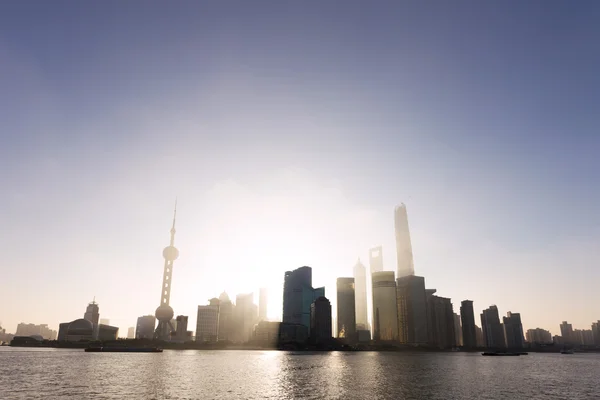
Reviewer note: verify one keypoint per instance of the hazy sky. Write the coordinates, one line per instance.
(289, 131)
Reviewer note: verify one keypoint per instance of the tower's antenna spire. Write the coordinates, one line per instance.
(174, 214)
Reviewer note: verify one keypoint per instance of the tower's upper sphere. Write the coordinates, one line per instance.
(164, 313)
(170, 253)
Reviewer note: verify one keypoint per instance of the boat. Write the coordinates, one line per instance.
(123, 350)
(493, 353)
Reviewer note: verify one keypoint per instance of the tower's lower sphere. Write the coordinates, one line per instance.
(170, 253)
(164, 313)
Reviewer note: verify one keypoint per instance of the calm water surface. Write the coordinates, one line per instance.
(73, 374)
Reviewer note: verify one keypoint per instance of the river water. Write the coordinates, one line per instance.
(73, 374)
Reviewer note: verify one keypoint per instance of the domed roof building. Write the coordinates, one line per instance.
(75, 331)
(224, 297)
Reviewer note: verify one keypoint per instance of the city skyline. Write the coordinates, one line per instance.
(290, 146)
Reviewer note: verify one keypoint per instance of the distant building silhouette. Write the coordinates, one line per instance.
(92, 314)
(376, 259)
(441, 321)
(226, 323)
(262, 304)
(245, 317)
(76, 331)
(181, 335)
(566, 331)
(145, 327)
(467, 319)
(107, 332)
(207, 323)
(33, 329)
(385, 309)
(403, 244)
(538, 336)
(320, 316)
(457, 331)
(493, 332)
(131, 332)
(360, 290)
(266, 333)
(164, 313)
(346, 309)
(411, 302)
(513, 331)
(596, 332)
(479, 337)
(298, 295)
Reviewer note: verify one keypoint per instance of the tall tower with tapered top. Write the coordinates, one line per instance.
(164, 312)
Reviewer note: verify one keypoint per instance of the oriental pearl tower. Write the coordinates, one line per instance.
(164, 312)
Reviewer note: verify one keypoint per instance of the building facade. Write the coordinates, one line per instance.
(298, 295)
(38, 330)
(441, 321)
(467, 319)
(320, 324)
(145, 327)
(207, 323)
(360, 292)
(411, 302)
(346, 309)
(513, 331)
(493, 332)
(538, 336)
(263, 301)
(385, 309)
(566, 331)
(403, 244)
(457, 331)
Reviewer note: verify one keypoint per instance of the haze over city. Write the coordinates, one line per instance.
(288, 132)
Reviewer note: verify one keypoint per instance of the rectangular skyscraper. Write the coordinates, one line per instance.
(412, 310)
(441, 321)
(360, 288)
(403, 245)
(513, 331)
(493, 333)
(298, 295)
(467, 318)
(346, 309)
(385, 310)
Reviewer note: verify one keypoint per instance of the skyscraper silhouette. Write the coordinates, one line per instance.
(346, 309)
(376, 259)
(360, 287)
(467, 318)
(412, 310)
(164, 313)
(385, 310)
(262, 304)
(298, 295)
(493, 333)
(403, 244)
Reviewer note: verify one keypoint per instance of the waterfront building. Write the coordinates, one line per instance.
(226, 322)
(411, 302)
(181, 335)
(107, 332)
(320, 320)
(346, 309)
(493, 333)
(538, 336)
(266, 333)
(92, 314)
(403, 244)
(566, 331)
(298, 295)
(290, 333)
(480, 342)
(76, 331)
(441, 321)
(467, 319)
(457, 331)
(207, 323)
(131, 332)
(164, 313)
(360, 291)
(245, 317)
(37, 330)
(262, 304)
(596, 332)
(385, 308)
(145, 327)
(513, 331)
